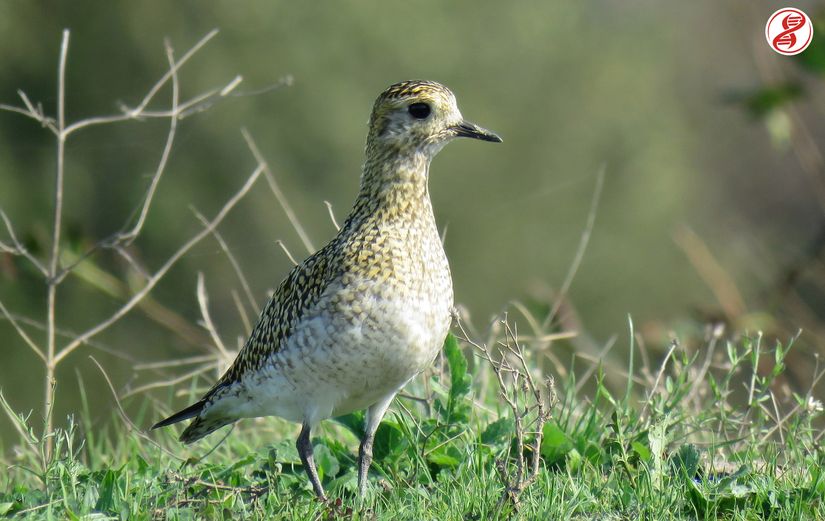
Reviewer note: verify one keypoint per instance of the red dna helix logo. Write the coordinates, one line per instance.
(789, 31)
(791, 23)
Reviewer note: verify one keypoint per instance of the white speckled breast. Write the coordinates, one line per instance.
(371, 330)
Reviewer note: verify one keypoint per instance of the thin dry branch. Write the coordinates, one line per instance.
(332, 215)
(818, 375)
(127, 420)
(276, 191)
(529, 407)
(170, 382)
(17, 247)
(711, 272)
(177, 362)
(50, 266)
(140, 111)
(583, 242)
(68, 334)
(54, 256)
(236, 266)
(177, 112)
(247, 325)
(594, 365)
(158, 275)
(653, 389)
(286, 251)
(22, 332)
(129, 236)
(203, 303)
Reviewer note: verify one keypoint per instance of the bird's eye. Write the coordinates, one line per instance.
(419, 110)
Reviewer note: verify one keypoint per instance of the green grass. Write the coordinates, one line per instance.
(700, 437)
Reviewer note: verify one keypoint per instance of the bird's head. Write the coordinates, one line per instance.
(419, 116)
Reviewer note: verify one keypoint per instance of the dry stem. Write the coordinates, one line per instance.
(530, 405)
(51, 354)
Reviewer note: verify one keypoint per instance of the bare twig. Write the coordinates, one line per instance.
(130, 425)
(129, 236)
(332, 215)
(286, 251)
(203, 302)
(113, 286)
(158, 275)
(17, 248)
(236, 267)
(175, 363)
(177, 112)
(583, 242)
(22, 332)
(172, 381)
(276, 191)
(652, 390)
(140, 111)
(31, 112)
(529, 407)
(66, 333)
(715, 277)
(56, 265)
(54, 257)
(715, 334)
(247, 325)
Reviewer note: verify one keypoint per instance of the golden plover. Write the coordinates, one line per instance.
(354, 322)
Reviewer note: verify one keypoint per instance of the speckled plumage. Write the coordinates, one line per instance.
(350, 325)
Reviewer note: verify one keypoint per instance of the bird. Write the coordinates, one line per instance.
(349, 326)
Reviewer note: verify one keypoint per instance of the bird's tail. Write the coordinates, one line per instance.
(200, 427)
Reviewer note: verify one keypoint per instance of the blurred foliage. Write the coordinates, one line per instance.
(760, 102)
(813, 58)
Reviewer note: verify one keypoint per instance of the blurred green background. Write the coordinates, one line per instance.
(712, 207)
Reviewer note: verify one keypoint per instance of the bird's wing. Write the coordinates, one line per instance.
(295, 295)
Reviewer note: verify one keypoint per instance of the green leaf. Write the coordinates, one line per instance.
(459, 379)
(714, 387)
(603, 392)
(733, 355)
(327, 463)
(389, 441)
(657, 441)
(555, 443)
(5, 508)
(142, 465)
(354, 422)
(640, 449)
(685, 461)
(284, 451)
(346, 481)
(227, 472)
(497, 431)
(106, 500)
(443, 458)
(574, 460)
(730, 480)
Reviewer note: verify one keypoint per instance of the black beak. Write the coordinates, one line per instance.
(467, 129)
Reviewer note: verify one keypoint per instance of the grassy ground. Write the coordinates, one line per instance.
(702, 436)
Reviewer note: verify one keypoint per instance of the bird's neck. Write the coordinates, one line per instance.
(394, 183)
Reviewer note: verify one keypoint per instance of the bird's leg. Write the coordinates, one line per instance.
(304, 447)
(374, 415)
